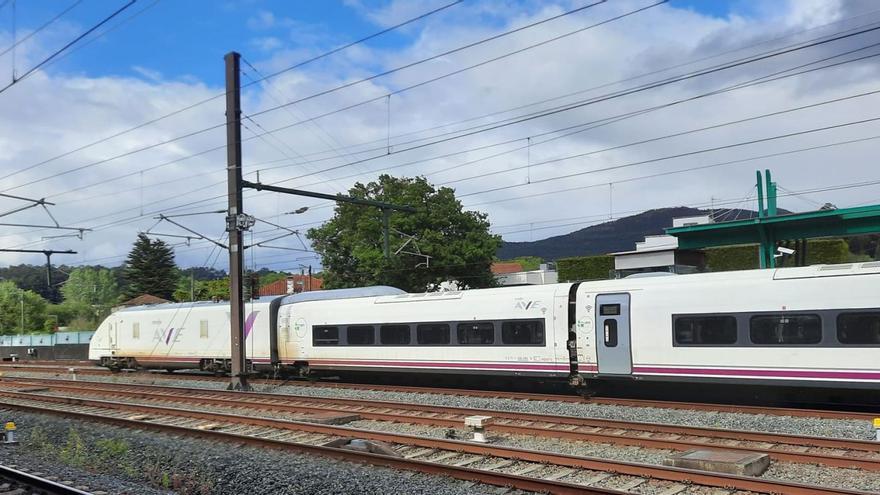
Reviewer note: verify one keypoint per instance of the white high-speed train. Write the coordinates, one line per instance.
(813, 326)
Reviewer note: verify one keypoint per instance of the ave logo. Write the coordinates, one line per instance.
(529, 305)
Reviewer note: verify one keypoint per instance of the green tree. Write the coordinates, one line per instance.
(150, 269)
(92, 286)
(15, 304)
(458, 242)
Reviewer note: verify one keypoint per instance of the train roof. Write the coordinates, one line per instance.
(326, 295)
(196, 304)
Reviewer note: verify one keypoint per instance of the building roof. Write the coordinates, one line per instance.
(143, 300)
(500, 268)
(280, 287)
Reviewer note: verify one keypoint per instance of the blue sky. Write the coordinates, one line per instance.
(189, 38)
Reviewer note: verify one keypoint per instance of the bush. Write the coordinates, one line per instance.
(819, 251)
(585, 268)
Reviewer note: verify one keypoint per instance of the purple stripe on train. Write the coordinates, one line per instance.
(249, 323)
(168, 337)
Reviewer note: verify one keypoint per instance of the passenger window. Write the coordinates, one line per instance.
(476, 333)
(325, 336)
(394, 334)
(522, 333)
(705, 330)
(785, 329)
(135, 330)
(433, 334)
(858, 328)
(610, 332)
(361, 335)
(203, 329)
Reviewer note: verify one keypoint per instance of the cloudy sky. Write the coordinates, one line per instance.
(598, 111)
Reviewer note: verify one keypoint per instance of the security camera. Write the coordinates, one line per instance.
(784, 250)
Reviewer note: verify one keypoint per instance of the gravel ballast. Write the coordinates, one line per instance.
(124, 461)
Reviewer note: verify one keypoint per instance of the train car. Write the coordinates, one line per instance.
(810, 326)
(518, 331)
(180, 336)
(807, 326)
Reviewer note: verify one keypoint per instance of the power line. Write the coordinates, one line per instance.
(529, 117)
(42, 27)
(68, 45)
(689, 169)
(219, 95)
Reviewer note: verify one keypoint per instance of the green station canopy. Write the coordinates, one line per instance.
(821, 223)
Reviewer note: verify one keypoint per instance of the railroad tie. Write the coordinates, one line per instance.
(419, 453)
(528, 469)
(631, 484)
(598, 478)
(562, 473)
(673, 490)
(499, 465)
(443, 457)
(467, 460)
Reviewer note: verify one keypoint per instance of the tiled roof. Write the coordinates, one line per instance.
(502, 268)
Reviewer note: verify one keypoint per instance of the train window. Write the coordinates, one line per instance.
(522, 333)
(433, 334)
(610, 332)
(135, 330)
(476, 333)
(858, 328)
(394, 334)
(361, 335)
(785, 329)
(203, 329)
(705, 330)
(325, 336)
(609, 310)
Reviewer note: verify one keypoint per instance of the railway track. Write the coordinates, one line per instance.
(14, 481)
(524, 469)
(489, 394)
(790, 448)
(240, 407)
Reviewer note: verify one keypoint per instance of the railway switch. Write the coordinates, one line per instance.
(9, 434)
(877, 429)
(478, 424)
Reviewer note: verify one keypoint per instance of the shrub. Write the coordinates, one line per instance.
(585, 268)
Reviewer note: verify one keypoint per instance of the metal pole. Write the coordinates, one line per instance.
(310, 278)
(21, 297)
(233, 168)
(386, 214)
(48, 270)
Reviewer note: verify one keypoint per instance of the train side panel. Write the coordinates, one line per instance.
(530, 305)
(742, 301)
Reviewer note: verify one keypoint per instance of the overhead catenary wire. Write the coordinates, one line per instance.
(528, 117)
(41, 27)
(318, 94)
(65, 47)
(223, 94)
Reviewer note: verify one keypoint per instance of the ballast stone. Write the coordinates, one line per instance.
(721, 461)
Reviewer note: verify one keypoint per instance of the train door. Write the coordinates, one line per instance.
(613, 334)
(113, 335)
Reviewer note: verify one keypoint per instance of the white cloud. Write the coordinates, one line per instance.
(65, 111)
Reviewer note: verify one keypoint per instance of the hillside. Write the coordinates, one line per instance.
(608, 237)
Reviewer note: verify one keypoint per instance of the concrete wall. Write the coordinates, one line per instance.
(60, 345)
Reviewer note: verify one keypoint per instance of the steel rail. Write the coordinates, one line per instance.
(620, 467)
(42, 485)
(582, 429)
(493, 394)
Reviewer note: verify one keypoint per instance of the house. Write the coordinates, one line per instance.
(292, 284)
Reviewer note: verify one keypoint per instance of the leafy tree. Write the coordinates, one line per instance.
(12, 301)
(150, 269)
(91, 286)
(33, 278)
(458, 242)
